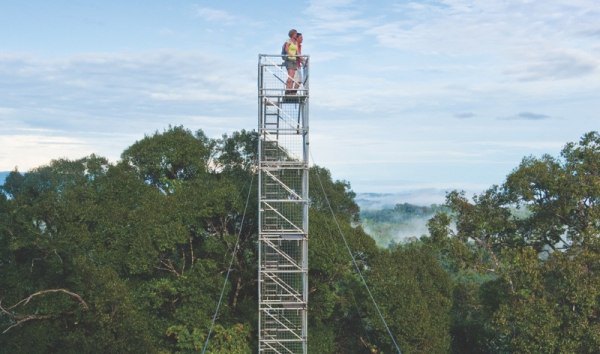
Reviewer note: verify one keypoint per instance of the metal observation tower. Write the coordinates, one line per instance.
(283, 208)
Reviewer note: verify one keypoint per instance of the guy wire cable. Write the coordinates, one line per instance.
(354, 262)
(233, 253)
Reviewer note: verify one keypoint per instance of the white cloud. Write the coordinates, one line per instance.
(465, 115)
(6, 111)
(215, 15)
(554, 65)
(449, 53)
(527, 116)
(332, 17)
(108, 100)
(165, 31)
(105, 81)
(529, 145)
(528, 34)
(34, 150)
(193, 95)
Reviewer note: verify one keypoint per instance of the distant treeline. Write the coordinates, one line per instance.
(404, 222)
(401, 213)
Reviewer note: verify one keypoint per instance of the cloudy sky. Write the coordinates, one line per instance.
(405, 95)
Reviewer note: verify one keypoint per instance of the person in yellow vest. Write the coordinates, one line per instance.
(291, 50)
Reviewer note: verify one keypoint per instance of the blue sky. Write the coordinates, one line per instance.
(404, 95)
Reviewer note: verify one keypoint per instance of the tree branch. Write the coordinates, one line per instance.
(191, 252)
(26, 300)
(20, 319)
(25, 319)
(495, 260)
(169, 267)
(184, 258)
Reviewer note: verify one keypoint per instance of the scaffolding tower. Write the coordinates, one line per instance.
(283, 207)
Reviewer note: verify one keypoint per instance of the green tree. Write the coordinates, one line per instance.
(326, 193)
(524, 257)
(175, 154)
(414, 294)
(144, 243)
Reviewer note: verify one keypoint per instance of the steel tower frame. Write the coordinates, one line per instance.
(282, 208)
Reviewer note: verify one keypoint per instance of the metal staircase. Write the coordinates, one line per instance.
(283, 209)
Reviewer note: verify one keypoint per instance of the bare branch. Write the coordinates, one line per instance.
(495, 260)
(26, 300)
(169, 267)
(33, 263)
(26, 319)
(20, 319)
(192, 252)
(183, 257)
(59, 257)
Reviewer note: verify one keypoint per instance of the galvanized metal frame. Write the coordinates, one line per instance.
(283, 209)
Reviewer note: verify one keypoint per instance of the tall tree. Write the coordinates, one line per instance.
(524, 256)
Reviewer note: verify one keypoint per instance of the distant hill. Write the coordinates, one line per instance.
(396, 217)
(399, 223)
(3, 175)
(378, 201)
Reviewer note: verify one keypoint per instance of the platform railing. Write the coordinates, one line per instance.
(275, 76)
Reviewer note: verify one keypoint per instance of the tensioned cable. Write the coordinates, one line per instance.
(335, 246)
(362, 322)
(233, 253)
(354, 261)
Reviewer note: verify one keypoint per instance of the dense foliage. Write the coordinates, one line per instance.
(131, 257)
(525, 257)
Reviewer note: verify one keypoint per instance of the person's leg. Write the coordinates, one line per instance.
(297, 78)
(289, 84)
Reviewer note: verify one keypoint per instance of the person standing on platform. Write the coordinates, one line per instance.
(291, 50)
(300, 63)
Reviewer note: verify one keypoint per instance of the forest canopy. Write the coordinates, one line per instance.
(131, 257)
